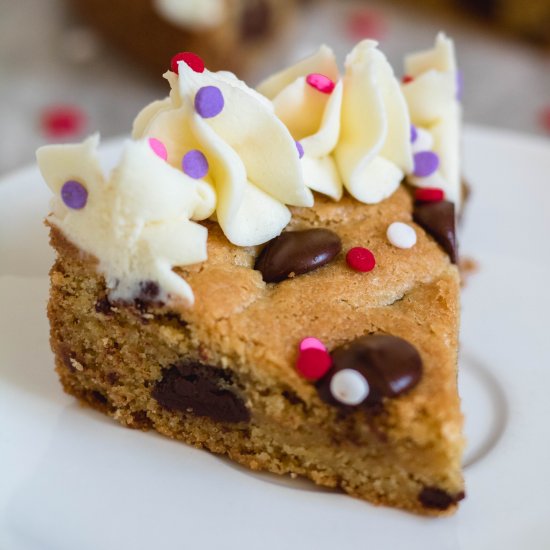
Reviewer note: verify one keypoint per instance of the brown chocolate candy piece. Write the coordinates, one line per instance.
(202, 390)
(438, 219)
(438, 499)
(391, 365)
(297, 252)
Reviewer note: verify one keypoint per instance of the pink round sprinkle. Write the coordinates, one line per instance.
(320, 82)
(311, 343)
(360, 259)
(406, 79)
(425, 164)
(300, 149)
(192, 59)
(159, 148)
(195, 164)
(209, 101)
(313, 363)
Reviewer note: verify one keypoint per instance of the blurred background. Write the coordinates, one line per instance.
(72, 67)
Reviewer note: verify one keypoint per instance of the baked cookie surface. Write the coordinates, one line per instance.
(222, 375)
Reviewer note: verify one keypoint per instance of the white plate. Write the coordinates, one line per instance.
(71, 478)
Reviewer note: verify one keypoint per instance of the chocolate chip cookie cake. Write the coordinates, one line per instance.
(271, 274)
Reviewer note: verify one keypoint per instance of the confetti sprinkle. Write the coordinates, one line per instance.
(194, 164)
(366, 24)
(62, 121)
(159, 148)
(311, 343)
(544, 118)
(425, 164)
(320, 82)
(74, 194)
(414, 133)
(406, 79)
(313, 363)
(360, 259)
(300, 149)
(349, 387)
(401, 235)
(429, 194)
(192, 59)
(209, 101)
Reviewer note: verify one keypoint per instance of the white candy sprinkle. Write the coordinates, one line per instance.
(349, 387)
(423, 142)
(401, 235)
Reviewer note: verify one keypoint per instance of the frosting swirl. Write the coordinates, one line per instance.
(253, 161)
(355, 132)
(433, 100)
(136, 222)
(217, 149)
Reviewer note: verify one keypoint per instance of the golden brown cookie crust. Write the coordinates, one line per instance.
(111, 355)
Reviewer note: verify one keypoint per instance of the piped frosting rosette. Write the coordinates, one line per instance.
(354, 129)
(227, 136)
(136, 221)
(432, 90)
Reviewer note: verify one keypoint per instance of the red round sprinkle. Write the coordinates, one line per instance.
(366, 23)
(545, 118)
(192, 59)
(406, 79)
(313, 363)
(320, 82)
(62, 121)
(361, 259)
(429, 194)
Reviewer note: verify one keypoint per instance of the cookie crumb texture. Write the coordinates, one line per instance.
(221, 376)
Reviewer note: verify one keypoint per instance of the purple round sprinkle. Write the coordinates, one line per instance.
(414, 133)
(300, 149)
(209, 101)
(74, 194)
(425, 164)
(194, 164)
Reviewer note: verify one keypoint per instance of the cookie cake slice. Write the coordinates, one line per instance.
(271, 274)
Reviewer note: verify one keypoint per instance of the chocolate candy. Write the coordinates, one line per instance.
(392, 366)
(297, 252)
(438, 499)
(202, 390)
(438, 219)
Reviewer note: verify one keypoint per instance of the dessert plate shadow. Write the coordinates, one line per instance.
(72, 478)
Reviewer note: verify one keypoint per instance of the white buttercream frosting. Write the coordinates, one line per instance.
(432, 98)
(254, 165)
(192, 13)
(355, 137)
(217, 149)
(136, 221)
